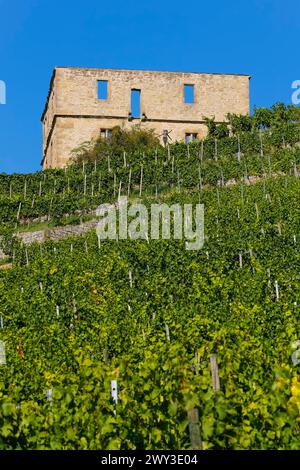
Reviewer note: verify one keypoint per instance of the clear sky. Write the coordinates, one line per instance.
(256, 37)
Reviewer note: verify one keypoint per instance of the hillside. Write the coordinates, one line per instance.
(76, 314)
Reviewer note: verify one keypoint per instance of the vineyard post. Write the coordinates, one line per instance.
(241, 260)
(2, 354)
(115, 183)
(19, 210)
(167, 332)
(257, 211)
(10, 191)
(114, 392)
(129, 182)
(200, 178)
(269, 163)
(276, 290)
(194, 429)
(214, 372)
(84, 185)
(124, 157)
(261, 144)
(49, 396)
(1, 322)
(279, 228)
(105, 356)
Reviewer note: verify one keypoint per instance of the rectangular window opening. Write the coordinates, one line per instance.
(189, 95)
(136, 103)
(102, 90)
(190, 137)
(105, 133)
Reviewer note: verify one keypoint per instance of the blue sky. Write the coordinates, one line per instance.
(258, 37)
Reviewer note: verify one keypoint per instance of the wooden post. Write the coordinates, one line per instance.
(214, 372)
(194, 429)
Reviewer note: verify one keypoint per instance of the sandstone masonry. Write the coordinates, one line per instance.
(74, 113)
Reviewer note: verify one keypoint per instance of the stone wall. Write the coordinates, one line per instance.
(56, 233)
(74, 114)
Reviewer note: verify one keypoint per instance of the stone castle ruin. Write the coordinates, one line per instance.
(85, 103)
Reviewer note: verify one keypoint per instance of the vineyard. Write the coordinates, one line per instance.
(119, 344)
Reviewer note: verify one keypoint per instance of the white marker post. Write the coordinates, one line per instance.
(2, 354)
